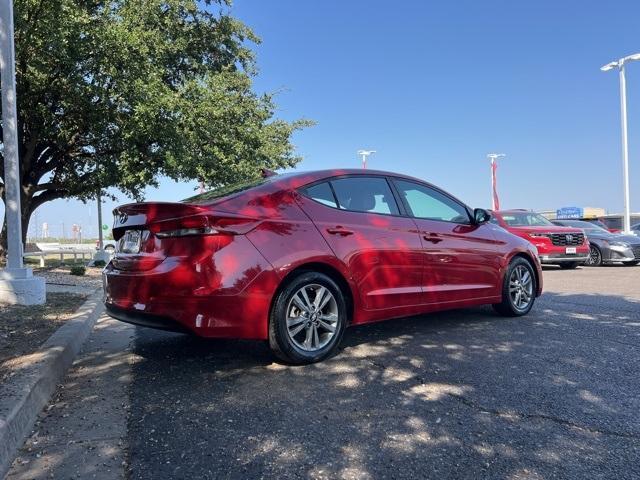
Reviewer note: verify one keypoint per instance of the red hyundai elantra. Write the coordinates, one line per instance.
(294, 259)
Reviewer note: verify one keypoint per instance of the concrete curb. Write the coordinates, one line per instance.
(27, 393)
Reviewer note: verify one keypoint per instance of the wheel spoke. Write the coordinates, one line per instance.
(315, 343)
(299, 302)
(326, 326)
(308, 337)
(294, 331)
(293, 321)
(305, 296)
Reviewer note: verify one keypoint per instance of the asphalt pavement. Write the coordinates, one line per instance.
(461, 394)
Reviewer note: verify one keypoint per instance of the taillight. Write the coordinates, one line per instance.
(184, 232)
(202, 225)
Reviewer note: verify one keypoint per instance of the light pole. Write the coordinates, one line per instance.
(17, 284)
(365, 154)
(495, 202)
(625, 144)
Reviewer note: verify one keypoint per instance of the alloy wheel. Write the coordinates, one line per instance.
(521, 287)
(312, 317)
(594, 256)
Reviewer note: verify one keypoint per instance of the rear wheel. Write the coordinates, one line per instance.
(631, 264)
(595, 257)
(518, 289)
(569, 265)
(308, 319)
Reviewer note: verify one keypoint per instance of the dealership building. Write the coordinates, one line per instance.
(612, 220)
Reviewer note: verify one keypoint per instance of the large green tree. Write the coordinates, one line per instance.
(117, 93)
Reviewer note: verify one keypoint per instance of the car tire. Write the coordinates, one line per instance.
(110, 249)
(630, 264)
(595, 257)
(569, 265)
(514, 304)
(299, 331)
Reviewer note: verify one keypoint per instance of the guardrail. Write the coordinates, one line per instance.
(62, 252)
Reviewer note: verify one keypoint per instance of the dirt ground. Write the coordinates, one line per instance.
(24, 328)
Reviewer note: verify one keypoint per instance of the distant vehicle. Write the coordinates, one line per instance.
(599, 223)
(109, 246)
(606, 247)
(293, 259)
(563, 246)
(636, 229)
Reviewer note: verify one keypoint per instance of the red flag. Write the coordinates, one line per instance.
(496, 202)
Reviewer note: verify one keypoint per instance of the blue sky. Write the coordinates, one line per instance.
(434, 86)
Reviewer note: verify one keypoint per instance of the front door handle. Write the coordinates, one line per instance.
(432, 237)
(343, 232)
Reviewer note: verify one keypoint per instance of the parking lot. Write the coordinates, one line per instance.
(462, 394)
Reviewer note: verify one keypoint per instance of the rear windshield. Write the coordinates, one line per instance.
(226, 190)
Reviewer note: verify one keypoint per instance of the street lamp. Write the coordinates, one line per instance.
(17, 284)
(625, 144)
(495, 202)
(365, 154)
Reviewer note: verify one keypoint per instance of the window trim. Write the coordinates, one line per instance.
(400, 206)
(431, 187)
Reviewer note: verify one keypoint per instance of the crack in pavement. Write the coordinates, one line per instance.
(541, 416)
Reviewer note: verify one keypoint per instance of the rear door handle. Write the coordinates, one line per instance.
(343, 232)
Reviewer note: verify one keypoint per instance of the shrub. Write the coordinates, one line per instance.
(78, 270)
(99, 263)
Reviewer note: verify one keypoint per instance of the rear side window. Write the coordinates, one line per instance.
(365, 194)
(321, 193)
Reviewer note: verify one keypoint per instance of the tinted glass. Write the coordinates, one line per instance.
(426, 202)
(365, 194)
(321, 193)
(226, 190)
(525, 219)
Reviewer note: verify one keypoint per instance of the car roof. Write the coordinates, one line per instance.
(297, 179)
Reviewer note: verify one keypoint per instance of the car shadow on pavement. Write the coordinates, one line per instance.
(463, 394)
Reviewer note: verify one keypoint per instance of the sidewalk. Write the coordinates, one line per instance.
(81, 433)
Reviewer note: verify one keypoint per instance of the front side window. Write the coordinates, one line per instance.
(428, 203)
(365, 194)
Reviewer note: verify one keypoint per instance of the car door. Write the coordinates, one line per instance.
(460, 260)
(359, 218)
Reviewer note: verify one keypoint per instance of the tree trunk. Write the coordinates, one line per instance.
(25, 216)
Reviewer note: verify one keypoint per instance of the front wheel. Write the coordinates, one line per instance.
(595, 257)
(569, 265)
(308, 319)
(630, 264)
(518, 289)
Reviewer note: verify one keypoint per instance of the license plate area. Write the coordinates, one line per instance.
(130, 242)
(570, 250)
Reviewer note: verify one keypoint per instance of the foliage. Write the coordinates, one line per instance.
(99, 263)
(119, 92)
(78, 270)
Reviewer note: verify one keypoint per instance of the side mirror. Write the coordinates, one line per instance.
(480, 216)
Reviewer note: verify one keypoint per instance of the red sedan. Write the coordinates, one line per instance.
(296, 258)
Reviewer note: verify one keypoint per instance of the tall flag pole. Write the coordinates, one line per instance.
(495, 201)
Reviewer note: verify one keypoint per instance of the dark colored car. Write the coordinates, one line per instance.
(636, 229)
(563, 246)
(294, 259)
(607, 247)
